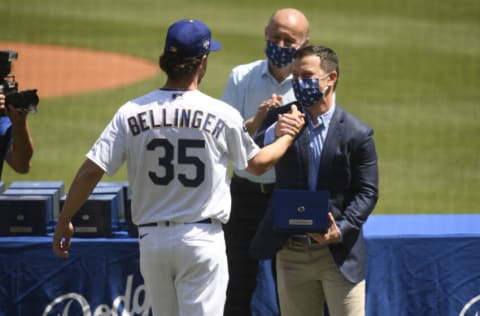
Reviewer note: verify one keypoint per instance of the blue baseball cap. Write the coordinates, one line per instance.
(190, 38)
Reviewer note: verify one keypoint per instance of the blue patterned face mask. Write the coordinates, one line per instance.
(307, 91)
(279, 56)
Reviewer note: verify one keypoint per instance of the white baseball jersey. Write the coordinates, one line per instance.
(177, 145)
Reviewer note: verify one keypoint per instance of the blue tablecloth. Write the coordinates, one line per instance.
(417, 265)
(422, 226)
(423, 265)
(101, 275)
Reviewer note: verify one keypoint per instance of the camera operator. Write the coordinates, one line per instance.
(16, 146)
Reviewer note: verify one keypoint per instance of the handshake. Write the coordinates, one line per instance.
(290, 123)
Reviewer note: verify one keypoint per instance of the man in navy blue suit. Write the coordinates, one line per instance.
(334, 152)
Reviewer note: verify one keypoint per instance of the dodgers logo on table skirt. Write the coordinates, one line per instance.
(472, 308)
(75, 304)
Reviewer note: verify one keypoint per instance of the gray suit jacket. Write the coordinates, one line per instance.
(348, 170)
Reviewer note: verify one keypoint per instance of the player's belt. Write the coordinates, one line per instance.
(169, 223)
(250, 186)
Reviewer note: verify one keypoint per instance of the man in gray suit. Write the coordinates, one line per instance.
(335, 152)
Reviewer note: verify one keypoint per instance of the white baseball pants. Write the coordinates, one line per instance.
(184, 267)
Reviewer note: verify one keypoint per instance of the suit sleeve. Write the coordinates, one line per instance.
(364, 186)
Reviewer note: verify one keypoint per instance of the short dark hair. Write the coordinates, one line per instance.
(328, 58)
(179, 67)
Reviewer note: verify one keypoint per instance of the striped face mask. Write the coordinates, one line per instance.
(279, 56)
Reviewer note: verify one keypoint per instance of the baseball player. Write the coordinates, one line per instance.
(177, 142)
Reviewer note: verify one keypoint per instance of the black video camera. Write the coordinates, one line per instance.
(26, 100)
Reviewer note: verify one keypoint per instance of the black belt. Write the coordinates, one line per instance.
(247, 185)
(168, 223)
(305, 242)
(301, 239)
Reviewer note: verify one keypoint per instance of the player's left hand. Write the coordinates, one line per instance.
(332, 235)
(62, 238)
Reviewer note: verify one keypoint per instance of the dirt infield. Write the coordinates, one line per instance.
(59, 71)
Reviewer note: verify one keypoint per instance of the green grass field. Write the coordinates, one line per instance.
(410, 69)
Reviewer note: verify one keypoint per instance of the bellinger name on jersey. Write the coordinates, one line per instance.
(178, 118)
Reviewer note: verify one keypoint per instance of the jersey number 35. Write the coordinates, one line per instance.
(166, 162)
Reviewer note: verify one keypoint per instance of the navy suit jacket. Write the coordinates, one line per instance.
(348, 170)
